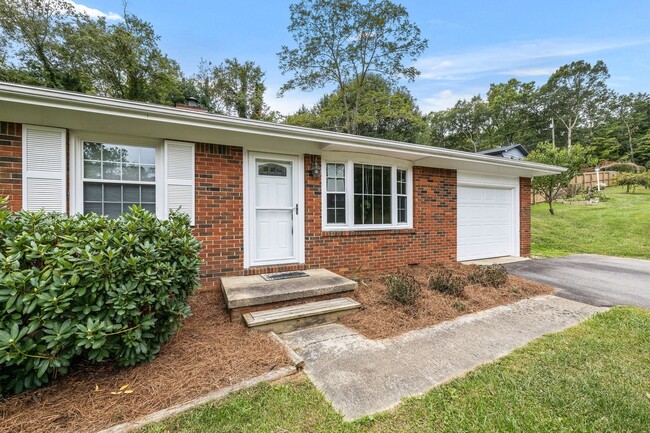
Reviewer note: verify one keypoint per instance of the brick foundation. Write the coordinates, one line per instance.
(524, 217)
(11, 150)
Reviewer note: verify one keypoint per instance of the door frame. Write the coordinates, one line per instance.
(491, 183)
(249, 208)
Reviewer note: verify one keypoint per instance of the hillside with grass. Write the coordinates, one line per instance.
(619, 226)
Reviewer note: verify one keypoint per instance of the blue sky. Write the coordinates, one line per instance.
(472, 43)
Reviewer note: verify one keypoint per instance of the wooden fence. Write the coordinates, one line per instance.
(584, 181)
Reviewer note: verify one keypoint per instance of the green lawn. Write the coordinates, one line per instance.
(591, 378)
(617, 227)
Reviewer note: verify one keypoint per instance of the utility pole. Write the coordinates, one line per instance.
(553, 131)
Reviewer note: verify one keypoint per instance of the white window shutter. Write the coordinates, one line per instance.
(44, 169)
(179, 173)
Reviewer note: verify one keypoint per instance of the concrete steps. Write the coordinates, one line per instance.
(286, 319)
(254, 293)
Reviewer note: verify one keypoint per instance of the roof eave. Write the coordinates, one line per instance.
(329, 140)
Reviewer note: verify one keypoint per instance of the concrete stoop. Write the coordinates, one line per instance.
(287, 304)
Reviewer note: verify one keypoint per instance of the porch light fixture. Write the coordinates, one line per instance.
(315, 167)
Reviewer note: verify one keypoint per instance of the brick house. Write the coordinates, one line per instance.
(263, 197)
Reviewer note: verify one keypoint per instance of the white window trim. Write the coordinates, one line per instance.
(76, 166)
(349, 195)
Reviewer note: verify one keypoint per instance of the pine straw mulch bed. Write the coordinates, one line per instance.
(208, 353)
(380, 317)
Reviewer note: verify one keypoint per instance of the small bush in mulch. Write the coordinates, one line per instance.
(444, 281)
(459, 306)
(493, 276)
(402, 288)
(381, 319)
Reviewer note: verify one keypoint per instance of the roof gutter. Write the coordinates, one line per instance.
(75, 101)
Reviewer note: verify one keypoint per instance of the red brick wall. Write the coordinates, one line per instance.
(219, 214)
(524, 217)
(11, 150)
(433, 237)
(219, 222)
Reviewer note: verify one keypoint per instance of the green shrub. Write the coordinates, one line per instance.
(444, 281)
(632, 180)
(493, 275)
(459, 306)
(403, 288)
(87, 288)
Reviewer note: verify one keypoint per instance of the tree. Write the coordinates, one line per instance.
(573, 160)
(35, 30)
(240, 86)
(123, 60)
(575, 94)
(385, 111)
(203, 87)
(514, 115)
(632, 112)
(342, 42)
(463, 127)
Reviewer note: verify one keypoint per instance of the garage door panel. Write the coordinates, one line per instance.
(485, 222)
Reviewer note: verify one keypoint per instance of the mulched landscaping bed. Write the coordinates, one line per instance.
(379, 317)
(208, 353)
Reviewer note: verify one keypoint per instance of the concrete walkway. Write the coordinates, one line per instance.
(361, 376)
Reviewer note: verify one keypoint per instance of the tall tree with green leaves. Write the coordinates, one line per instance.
(514, 114)
(385, 111)
(123, 60)
(465, 126)
(633, 113)
(574, 160)
(34, 33)
(575, 94)
(240, 86)
(342, 42)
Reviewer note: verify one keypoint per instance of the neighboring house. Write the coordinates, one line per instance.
(514, 151)
(263, 197)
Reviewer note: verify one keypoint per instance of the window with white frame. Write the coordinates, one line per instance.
(335, 192)
(115, 177)
(360, 195)
(402, 197)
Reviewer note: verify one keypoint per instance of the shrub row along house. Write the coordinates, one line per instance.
(263, 197)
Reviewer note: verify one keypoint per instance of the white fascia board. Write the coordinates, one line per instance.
(329, 141)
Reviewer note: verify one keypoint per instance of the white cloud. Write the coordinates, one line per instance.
(530, 58)
(531, 72)
(289, 103)
(443, 100)
(95, 13)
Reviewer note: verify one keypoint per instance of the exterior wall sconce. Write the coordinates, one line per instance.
(315, 167)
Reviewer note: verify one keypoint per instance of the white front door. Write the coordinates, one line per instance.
(274, 209)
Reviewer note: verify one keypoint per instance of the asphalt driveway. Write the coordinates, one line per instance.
(596, 280)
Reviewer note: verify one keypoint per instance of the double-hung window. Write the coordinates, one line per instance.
(358, 195)
(115, 177)
(109, 174)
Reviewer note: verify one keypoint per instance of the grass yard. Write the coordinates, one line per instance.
(617, 227)
(594, 377)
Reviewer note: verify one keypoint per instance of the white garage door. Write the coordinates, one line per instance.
(485, 222)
